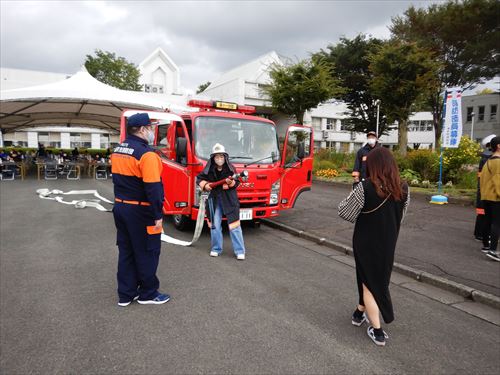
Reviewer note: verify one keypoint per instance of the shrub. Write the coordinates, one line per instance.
(402, 162)
(425, 163)
(338, 160)
(410, 176)
(467, 180)
(328, 173)
(454, 159)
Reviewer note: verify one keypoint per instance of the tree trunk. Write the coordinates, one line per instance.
(300, 118)
(403, 136)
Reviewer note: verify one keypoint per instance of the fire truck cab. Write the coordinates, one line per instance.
(184, 141)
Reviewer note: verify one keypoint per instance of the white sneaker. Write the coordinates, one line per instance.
(214, 254)
(240, 256)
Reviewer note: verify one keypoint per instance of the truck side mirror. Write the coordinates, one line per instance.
(181, 150)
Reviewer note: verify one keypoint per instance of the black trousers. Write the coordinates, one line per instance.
(492, 225)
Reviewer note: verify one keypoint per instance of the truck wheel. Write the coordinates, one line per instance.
(255, 224)
(181, 222)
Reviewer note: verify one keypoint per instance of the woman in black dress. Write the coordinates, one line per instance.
(377, 206)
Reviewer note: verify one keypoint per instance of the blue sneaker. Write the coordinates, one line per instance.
(124, 303)
(160, 299)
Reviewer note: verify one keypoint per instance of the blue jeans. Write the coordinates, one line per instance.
(236, 234)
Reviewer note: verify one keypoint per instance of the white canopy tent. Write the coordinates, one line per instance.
(80, 100)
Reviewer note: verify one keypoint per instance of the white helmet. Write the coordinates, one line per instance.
(218, 149)
(487, 140)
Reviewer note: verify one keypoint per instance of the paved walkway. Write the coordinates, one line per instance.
(436, 239)
(284, 310)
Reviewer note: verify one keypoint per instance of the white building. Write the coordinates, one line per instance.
(159, 73)
(17, 78)
(62, 137)
(244, 84)
(330, 133)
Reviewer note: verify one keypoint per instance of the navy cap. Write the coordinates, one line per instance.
(139, 119)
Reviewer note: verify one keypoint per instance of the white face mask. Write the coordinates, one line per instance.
(219, 161)
(151, 137)
(372, 141)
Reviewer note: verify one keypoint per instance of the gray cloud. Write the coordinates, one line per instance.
(204, 38)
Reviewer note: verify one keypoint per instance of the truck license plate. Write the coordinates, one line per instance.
(246, 214)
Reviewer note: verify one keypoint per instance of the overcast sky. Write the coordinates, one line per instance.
(204, 38)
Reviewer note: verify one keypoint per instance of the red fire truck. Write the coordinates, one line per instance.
(184, 141)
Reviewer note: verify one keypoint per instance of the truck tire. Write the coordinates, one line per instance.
(182, 222)
(255, 224)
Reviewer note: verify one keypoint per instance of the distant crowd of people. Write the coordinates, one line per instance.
(42, 154)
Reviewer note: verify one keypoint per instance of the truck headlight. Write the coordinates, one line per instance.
(275, 193)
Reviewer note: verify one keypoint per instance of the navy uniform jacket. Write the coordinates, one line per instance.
(136, 170)
(360, 162)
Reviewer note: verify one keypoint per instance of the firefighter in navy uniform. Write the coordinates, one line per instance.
(359, 170)
(138, 213)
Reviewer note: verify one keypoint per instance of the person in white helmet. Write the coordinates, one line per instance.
(222, 200)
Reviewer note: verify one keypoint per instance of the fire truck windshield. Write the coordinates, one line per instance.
(244, 140)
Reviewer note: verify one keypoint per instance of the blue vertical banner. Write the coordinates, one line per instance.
(452, 126)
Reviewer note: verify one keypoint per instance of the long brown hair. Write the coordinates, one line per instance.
(383, 172)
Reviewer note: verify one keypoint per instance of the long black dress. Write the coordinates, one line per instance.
(374, 241)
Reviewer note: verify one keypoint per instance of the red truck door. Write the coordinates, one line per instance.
(174, 148)
(296, 164)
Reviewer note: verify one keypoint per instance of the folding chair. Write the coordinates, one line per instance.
(50, 171)
(72, 172)
(8, 174)
(101, 172)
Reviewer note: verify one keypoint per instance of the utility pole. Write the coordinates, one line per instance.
(472, 127)
(377, 103)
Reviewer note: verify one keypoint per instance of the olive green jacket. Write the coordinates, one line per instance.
(490, 180)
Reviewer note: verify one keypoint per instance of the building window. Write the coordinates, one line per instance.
(493, 112)
(480, 114)
(316, 123)
(344, 146)
(469, 114)
(344, 127)
(157, 89)
(104, 141)
(413, 126)
(330, 145)
(330, 124)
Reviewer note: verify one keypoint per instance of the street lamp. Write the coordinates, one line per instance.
(472, 127)
(377, 103)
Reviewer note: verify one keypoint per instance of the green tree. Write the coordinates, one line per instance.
(114, 71)
(402, 73)
(350, 58)
(203, 87)
(463, 37)
(296, 88)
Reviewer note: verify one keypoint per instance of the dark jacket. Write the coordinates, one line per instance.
(229, 197)
(360, 162)
(137, 173)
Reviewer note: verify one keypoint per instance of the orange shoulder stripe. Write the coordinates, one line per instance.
(151, 167)
(125, 165)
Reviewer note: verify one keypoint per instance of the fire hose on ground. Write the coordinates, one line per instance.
(55, 195)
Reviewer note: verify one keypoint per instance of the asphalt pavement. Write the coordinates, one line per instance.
(284, 310)
(434, 238)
